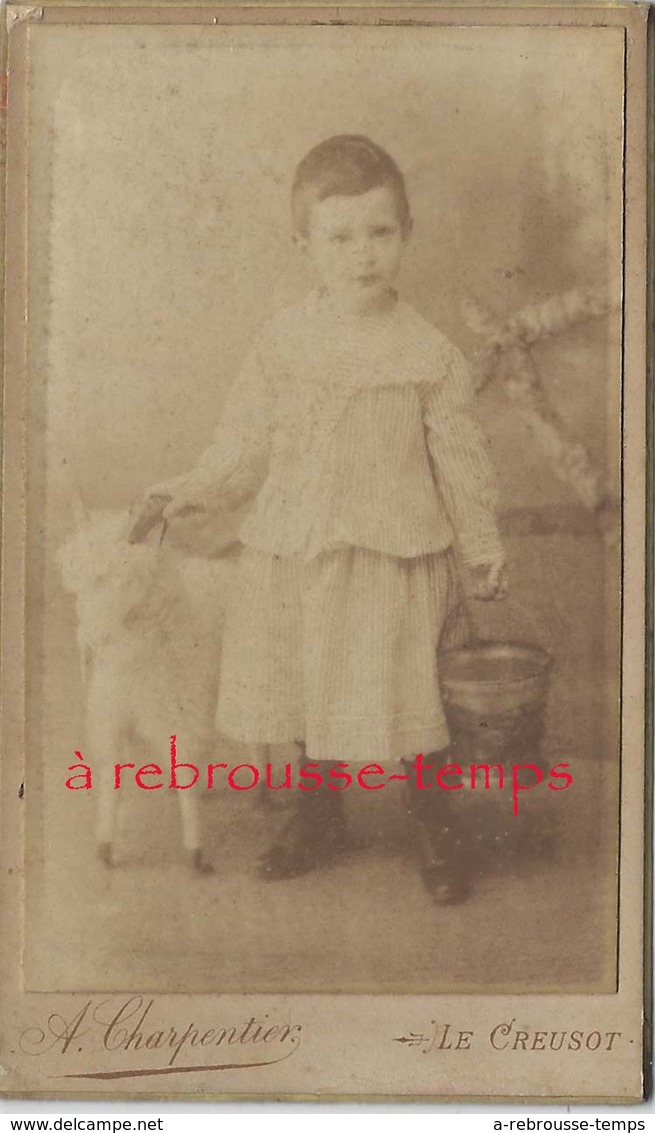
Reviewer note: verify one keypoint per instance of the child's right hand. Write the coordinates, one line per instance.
(490, 581)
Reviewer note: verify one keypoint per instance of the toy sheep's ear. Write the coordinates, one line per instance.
(81, 512)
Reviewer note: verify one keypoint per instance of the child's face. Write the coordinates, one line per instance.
(356, 246)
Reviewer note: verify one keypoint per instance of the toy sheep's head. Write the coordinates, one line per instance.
(112, 579)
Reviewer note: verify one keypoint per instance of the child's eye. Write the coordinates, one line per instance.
(340, 237)
(382, 230)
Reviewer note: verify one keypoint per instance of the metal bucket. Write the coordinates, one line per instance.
(495, 696)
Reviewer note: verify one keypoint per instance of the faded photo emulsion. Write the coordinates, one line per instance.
(323, 525)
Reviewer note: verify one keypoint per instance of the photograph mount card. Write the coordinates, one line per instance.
(324, 577)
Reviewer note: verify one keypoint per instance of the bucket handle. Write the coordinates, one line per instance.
(525, 614)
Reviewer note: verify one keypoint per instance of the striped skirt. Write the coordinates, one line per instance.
(339, 652)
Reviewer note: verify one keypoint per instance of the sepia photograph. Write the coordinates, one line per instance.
(324, 535)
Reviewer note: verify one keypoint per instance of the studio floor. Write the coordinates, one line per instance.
(362, 923)
(547, 920)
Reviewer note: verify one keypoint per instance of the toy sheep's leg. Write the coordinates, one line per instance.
(190, 816)
(106, 816)
(191, 741)
(190, 821)
(102, 749)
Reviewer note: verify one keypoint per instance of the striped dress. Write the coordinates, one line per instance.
(370, 480)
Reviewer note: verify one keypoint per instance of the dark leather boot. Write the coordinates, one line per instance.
(438, 838)
(315, 833)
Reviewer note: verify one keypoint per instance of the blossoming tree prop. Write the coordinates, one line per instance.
(506, 355)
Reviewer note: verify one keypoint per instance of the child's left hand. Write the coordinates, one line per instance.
(490, 581)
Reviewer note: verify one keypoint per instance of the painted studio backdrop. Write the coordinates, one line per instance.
(162, 160)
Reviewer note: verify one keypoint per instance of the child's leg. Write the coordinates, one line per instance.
(266, 797)
(437, 819)
(439, 835)
(315, 832)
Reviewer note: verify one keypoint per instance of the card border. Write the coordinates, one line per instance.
(635, 894)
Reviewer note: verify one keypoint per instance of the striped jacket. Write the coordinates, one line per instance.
(353, 431)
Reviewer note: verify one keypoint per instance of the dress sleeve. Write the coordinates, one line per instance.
(234, 466)
(462, 467)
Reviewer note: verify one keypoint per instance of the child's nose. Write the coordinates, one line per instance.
(364, 250)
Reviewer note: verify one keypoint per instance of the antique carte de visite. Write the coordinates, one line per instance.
(324, 663)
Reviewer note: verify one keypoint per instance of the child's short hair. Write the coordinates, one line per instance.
(347, 165)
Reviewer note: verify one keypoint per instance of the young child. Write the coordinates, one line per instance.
(351, 422)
